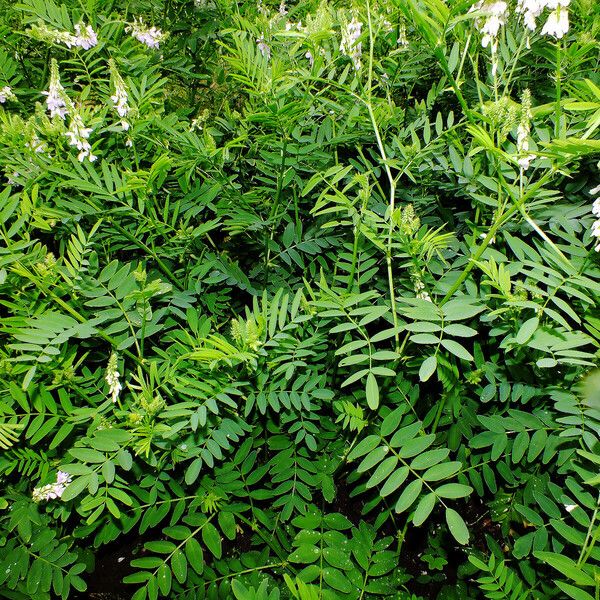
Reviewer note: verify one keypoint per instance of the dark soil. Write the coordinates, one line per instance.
(112, 565)
(113, 560)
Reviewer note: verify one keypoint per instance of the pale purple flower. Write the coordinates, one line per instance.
(85, 37)
(54, 490)
(150, 36)
(531, 10)
(263, 47)
(56, 97)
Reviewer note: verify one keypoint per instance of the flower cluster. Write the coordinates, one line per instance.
(78, 136)
(402, 37)
(120, 97)
(523, 132)
(350, 45)
(263, 47)
(85, 37)
(596, 212)
(56, 98)
(59, 105)
(112, 377)
(493, 16)
(6, 93)
(420, 290)
(52, 490)
(151, 36)
(557, 23)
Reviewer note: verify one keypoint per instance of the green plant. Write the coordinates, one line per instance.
(300, 300)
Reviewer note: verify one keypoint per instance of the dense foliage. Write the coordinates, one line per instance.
(300, 301)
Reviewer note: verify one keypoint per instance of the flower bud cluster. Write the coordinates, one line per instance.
(112, 377)
(35, 144)
(523, 132)
(420, 290)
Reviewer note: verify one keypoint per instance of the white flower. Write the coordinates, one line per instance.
(120, 98)
(85, 37)
(557, 24)
(402, 39)
(56, 97)
(484, 235)
(151, 36)
(531, 10)
(282, 8)
(6, 93)
(420, 291)
(112, 377)
(54, 490)
(350, 45)
(570, 507)
(493, 16)
(310, 57)
(78, 136)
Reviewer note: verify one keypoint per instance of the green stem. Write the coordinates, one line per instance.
(268, 540)
(501, 219)
(557, 108)
(161, 265)
(392, 184)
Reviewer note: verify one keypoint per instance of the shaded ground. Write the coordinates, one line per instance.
(112, 561)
